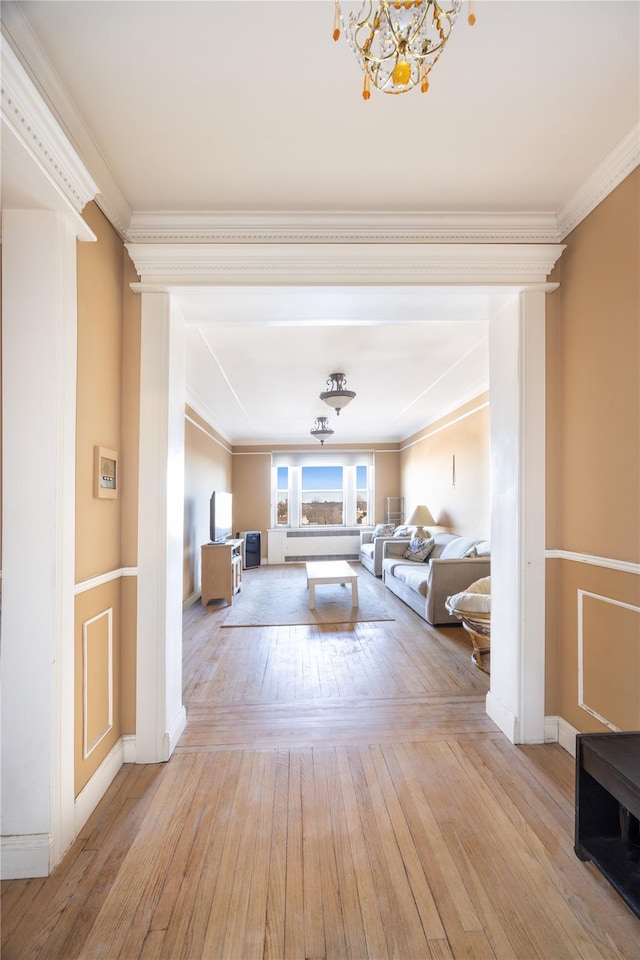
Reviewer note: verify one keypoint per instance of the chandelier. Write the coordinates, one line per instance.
(337, 396)
(398, 42)
(321, 429)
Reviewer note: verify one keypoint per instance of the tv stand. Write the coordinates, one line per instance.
(221, 570)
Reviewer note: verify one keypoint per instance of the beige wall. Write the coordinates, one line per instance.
(426, 462)
(107, 415)
(387, 481)
(252, 493)
(593, 467)
(207, 467)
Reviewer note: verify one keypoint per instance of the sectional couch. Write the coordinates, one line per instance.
(452, 565)
(372, 544)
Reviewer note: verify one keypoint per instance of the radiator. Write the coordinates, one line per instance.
(298, 546)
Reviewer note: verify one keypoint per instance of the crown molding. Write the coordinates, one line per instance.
(622, 160)
(341, 227)
(195, 263)
(40, 136)
(22, 44)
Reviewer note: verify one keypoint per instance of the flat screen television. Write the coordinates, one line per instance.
(220, 527)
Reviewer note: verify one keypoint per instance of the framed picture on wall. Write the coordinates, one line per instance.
(105, 473)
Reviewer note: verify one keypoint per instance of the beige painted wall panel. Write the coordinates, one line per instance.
(427, 464)
(387, 481)
(598, 380)
(593, 452)
(207, 467)
(251, 473)
(98, 679)
(90, 605)
(99, 399)
(611, 637)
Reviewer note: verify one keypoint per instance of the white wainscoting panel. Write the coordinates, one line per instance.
(97, 652)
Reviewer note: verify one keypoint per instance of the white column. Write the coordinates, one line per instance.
(160, 714)
(38, 547)
(517, 377)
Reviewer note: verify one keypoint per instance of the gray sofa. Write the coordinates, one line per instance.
(371, 551)
(446, 571)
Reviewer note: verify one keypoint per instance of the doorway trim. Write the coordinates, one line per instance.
(517, 273)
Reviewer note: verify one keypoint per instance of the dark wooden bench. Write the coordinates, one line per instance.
(608, 809)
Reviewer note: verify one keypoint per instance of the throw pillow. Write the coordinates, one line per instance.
(418, 549)
(402, 532)
(480, 549)
(383, 530)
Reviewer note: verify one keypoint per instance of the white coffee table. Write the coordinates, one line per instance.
(331, 571)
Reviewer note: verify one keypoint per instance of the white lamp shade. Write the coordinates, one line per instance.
(421, 517)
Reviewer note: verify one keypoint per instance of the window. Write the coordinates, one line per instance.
(362, 494)
(322, 500)
(310, 491)
(282, 496)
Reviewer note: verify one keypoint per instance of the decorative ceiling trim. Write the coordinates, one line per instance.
(437, 263)
(339, 227)
(29, 118)
(622, 160)
(23, 44)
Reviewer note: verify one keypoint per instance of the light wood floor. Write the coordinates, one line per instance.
(337, 793)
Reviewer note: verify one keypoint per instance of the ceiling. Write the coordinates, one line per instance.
(248, 107)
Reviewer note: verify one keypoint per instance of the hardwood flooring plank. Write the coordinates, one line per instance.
(314, 942)
(274, 933)
(190, 918)
(373, 924)
(339, 793)
(123, 920)
(294, 942)
(342, 892)
(219, 915)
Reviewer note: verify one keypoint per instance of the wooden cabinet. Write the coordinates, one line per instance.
(221, 570)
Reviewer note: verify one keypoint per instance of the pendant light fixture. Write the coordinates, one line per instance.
(337, 396)
(321, 429)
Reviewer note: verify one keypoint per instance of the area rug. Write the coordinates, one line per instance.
(266, 600)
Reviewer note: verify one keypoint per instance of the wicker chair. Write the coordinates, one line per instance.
(473, 609)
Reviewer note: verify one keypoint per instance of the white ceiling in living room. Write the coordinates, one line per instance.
(408, 353)
(247, 108)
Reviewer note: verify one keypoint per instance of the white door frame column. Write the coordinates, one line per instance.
(38, 548)
(45, 186)
(517, 378)
(160, 714)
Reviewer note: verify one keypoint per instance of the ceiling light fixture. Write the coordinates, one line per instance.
(398, 42)
(321, 429)
(337, 396)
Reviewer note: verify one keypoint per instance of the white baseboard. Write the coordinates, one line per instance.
(129, 747)
(502, 717)
(567, 736)
(174, 732)
(193, 598)
(557, 730)
(551, 729)
(25, 856)
(91, 795)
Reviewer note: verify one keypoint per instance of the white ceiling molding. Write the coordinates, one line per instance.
(437, 263)
(34, 127)
(339, 227)
(24, 47)
(622, 160)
